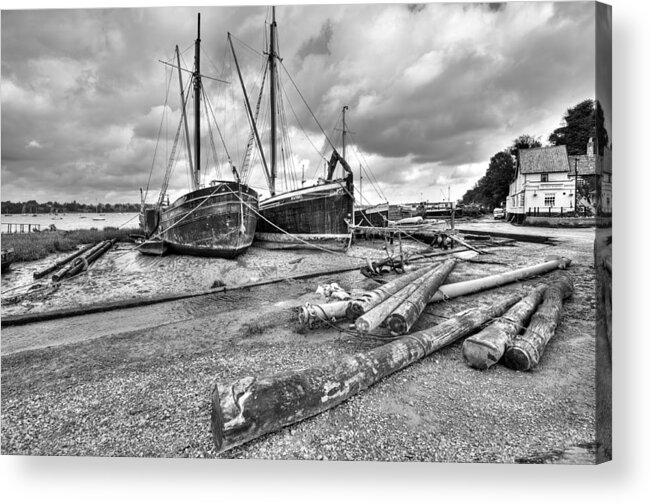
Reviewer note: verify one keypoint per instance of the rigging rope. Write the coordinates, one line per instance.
(160, 129)
(306, 104)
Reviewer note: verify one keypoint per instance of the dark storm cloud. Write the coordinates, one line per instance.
(433, 90)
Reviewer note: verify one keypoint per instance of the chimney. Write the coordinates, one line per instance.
(590, 149)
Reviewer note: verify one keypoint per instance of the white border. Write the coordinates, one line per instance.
(67, 479)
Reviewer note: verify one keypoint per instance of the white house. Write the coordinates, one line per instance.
(549, 182)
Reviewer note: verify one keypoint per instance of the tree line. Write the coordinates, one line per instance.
(33, 207)
(580, 123)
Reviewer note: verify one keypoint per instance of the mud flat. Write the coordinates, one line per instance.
(144, 390)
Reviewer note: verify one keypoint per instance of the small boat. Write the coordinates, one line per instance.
(216, 221)
(99, 218)
(8, 256)
(153, 247)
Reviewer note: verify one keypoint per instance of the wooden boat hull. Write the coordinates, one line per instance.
(315, 215)
(216, 221)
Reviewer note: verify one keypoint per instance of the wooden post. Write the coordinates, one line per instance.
(63, 262)
(526, 350)
(373, 298)
(406, 315)
(376, 316)
(450, 291)
(487, 347)
(251, 407)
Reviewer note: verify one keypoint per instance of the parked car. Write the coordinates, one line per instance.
(499, 213)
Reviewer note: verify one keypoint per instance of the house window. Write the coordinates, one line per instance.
(544, 177)
(550, 199)
(522, 199)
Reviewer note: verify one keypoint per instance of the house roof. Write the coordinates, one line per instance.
(544, 160)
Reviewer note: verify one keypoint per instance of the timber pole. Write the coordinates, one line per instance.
(487, 347)
(406, 315)
(376, 316)
(468, 287)
(77, 264)
(251, 407)
(526, 350)
(370, 299)
(63, 262)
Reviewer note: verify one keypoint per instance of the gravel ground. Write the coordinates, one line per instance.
(146, 392)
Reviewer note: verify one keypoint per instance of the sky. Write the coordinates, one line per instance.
(433, 91)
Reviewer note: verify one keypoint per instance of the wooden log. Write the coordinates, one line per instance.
(376, 316)
(526, 350)
(465, 244)
(487, 347)
(77, 264)
(468, 287)
(253, 406)
(405, 316)
(373, 298)
(82, 263)
(310, 314)
(548, 240)
(63, 262)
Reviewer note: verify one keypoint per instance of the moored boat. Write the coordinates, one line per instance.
(216, 221)
(297, 217)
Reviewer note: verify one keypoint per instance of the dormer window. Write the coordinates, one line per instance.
(544, 177)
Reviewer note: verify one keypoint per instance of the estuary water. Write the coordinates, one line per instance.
(72, 221)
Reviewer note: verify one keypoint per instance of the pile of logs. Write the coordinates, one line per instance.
(521, 334)
(397, 304)
(253, 406)
(77, 262)
(375, 307)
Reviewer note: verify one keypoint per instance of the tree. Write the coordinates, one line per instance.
(493, 188)
(583, 121)
(524, 142)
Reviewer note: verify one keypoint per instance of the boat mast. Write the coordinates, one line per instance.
(272, 97)
(343, 132)
(185, 117)
(248, 109)
(197, 105)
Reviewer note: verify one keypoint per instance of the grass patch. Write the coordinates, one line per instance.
(34, 246)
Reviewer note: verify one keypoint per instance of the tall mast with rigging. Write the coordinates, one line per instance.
(197, 104)
(272, 98)
(343, 132)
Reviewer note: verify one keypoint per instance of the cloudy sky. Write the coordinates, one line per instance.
(433, 90)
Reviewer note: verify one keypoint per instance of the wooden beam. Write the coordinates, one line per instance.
(487, 347)
(527, 349)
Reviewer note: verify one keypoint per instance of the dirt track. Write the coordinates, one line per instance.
(132, 388)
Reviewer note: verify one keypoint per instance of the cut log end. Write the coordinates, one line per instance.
(217, 420)
(480, 355)
(518, 359)
(397, 325)
(354, 311)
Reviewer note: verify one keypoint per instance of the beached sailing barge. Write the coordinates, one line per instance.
(298, 216)
(218, 220)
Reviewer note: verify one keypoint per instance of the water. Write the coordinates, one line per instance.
(72, 221)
